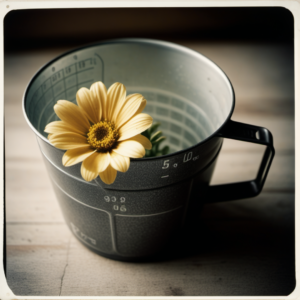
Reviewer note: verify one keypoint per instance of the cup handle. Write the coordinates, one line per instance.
(248, 133)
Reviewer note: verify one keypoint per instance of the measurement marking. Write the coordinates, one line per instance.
(96, 54)
(42, 115)
(57, 81)
(92, 246)
(112, 225)
(85, 70)
(84, 82)
(187, 157)
(45, 90)
(78, 232)
(63, 191)
(157, 117)
(53, 101)
(150, 215)
(51, 117)
(76, 73)
(123, 208)
(165, 176)
(64, 79)
(169, 94)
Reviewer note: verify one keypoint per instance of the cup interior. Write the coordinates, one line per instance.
(188, 94)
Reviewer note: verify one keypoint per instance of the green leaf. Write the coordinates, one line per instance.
(146, 134)
(165, 150)
(159, 140)
(156, 139)
(153, 127)
(155, 136)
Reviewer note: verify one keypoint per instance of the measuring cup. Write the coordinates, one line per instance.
(192, 99)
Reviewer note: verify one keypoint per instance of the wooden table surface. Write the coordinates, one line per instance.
(243, 247)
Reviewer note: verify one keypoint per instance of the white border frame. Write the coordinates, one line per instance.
(292, 5)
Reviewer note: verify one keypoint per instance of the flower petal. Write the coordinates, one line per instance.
(72, 115)
(130, 148)
(129, 108)
(119, 162)
(115, 95)
(109, 175)
(99, 92)
(87, 174)
(77, 155)
(142, 140)
(134, 126)
(94, 164)
(142, 106)
(60, 127)
(102, 160)
(89, 104)
(66, 141)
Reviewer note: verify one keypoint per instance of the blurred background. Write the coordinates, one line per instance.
(242, 248)
(36, 29)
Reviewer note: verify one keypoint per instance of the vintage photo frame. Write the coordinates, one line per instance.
(5, 7)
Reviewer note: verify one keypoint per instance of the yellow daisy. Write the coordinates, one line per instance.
(102, 132)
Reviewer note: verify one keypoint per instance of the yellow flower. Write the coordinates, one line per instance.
(102, 132)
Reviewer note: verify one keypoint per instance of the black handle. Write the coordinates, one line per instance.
(248, 133)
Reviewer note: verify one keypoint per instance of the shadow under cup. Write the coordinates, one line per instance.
(191, 98)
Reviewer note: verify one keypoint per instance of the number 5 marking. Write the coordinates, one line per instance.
(166, 164)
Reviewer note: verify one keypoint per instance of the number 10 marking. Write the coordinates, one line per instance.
(187, 156)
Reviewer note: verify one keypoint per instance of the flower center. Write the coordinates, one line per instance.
(103, 135)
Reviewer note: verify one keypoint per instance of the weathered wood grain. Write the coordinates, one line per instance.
(214, 256)
(39, 253)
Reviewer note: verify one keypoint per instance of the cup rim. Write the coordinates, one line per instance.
(143, 41)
